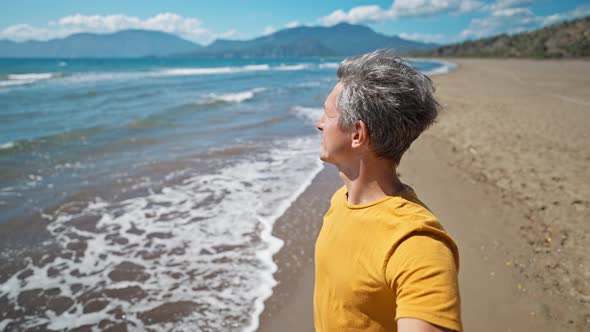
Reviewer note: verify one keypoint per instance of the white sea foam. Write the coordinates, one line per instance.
(310, 114)
(170, 72)
(4, 323)
(236, 97)
(446, 67)
(32, 76)
(205, 240)
(330, 65)
(76, 165)
(8, 145)
(300, 66)
(195, 71)
(255, 67)
(210, 71)
(22, 79)
(13, 82)
(309, 84)
(105, 76)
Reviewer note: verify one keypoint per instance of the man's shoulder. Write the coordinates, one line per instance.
(409, 207)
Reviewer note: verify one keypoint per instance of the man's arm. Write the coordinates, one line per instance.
(423, 275)
(417, 325)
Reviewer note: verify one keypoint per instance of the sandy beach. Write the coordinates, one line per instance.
(505, 170)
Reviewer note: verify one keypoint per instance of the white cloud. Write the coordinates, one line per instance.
(438, 38)
(189, 28)
(400, 8)
(413, 8)
(185, 27)
(580, 11)
(506, 19)
(361, 14)
(468, 7)
(21, 32)
(513, 12)
(292, 24)
(268, 30)
(512, 20)
(503, 4)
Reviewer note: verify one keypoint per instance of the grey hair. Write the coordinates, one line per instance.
(395, 101)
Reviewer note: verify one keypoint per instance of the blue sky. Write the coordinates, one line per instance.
(440, 21)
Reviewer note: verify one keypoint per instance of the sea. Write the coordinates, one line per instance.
(142, 193)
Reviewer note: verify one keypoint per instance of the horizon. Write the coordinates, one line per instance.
(426, 21)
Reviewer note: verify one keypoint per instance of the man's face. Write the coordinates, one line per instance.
(336, 141)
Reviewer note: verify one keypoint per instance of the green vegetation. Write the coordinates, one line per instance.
(564, 40)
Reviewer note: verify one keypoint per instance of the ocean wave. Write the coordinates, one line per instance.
(255, 67)
(8, 145)
(236, 97)
(446, 67)
(210, 70)
(195, 71)
(300, 66)
(170, 72)
(309, 114)
(208, 102)
(330, 65)
(22, 79)
(309, 84)
(230, 150)
(47, 141)
(81, 77)
(265, 123)
(229, 70)
(14, 82)
(32, 76)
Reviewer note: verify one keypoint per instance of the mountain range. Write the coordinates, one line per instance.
(122, 44)
(339, 40)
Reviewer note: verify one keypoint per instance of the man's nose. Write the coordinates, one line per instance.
(320, 124)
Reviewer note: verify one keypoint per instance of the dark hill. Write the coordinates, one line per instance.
(563, 40)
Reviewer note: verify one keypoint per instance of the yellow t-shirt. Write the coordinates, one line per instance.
(378, 262)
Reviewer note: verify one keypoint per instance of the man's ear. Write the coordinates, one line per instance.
(360, 134)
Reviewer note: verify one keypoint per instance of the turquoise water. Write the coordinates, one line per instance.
(170, 170)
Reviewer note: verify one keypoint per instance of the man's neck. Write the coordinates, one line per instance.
(370, 180)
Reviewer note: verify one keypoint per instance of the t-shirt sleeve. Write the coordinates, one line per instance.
(422, 272)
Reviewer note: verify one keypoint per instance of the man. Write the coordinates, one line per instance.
(383, 261)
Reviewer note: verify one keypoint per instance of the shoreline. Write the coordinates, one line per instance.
(298, 228)
(473, 158)
(276, 243)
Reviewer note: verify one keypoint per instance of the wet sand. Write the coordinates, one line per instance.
(505, 170)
